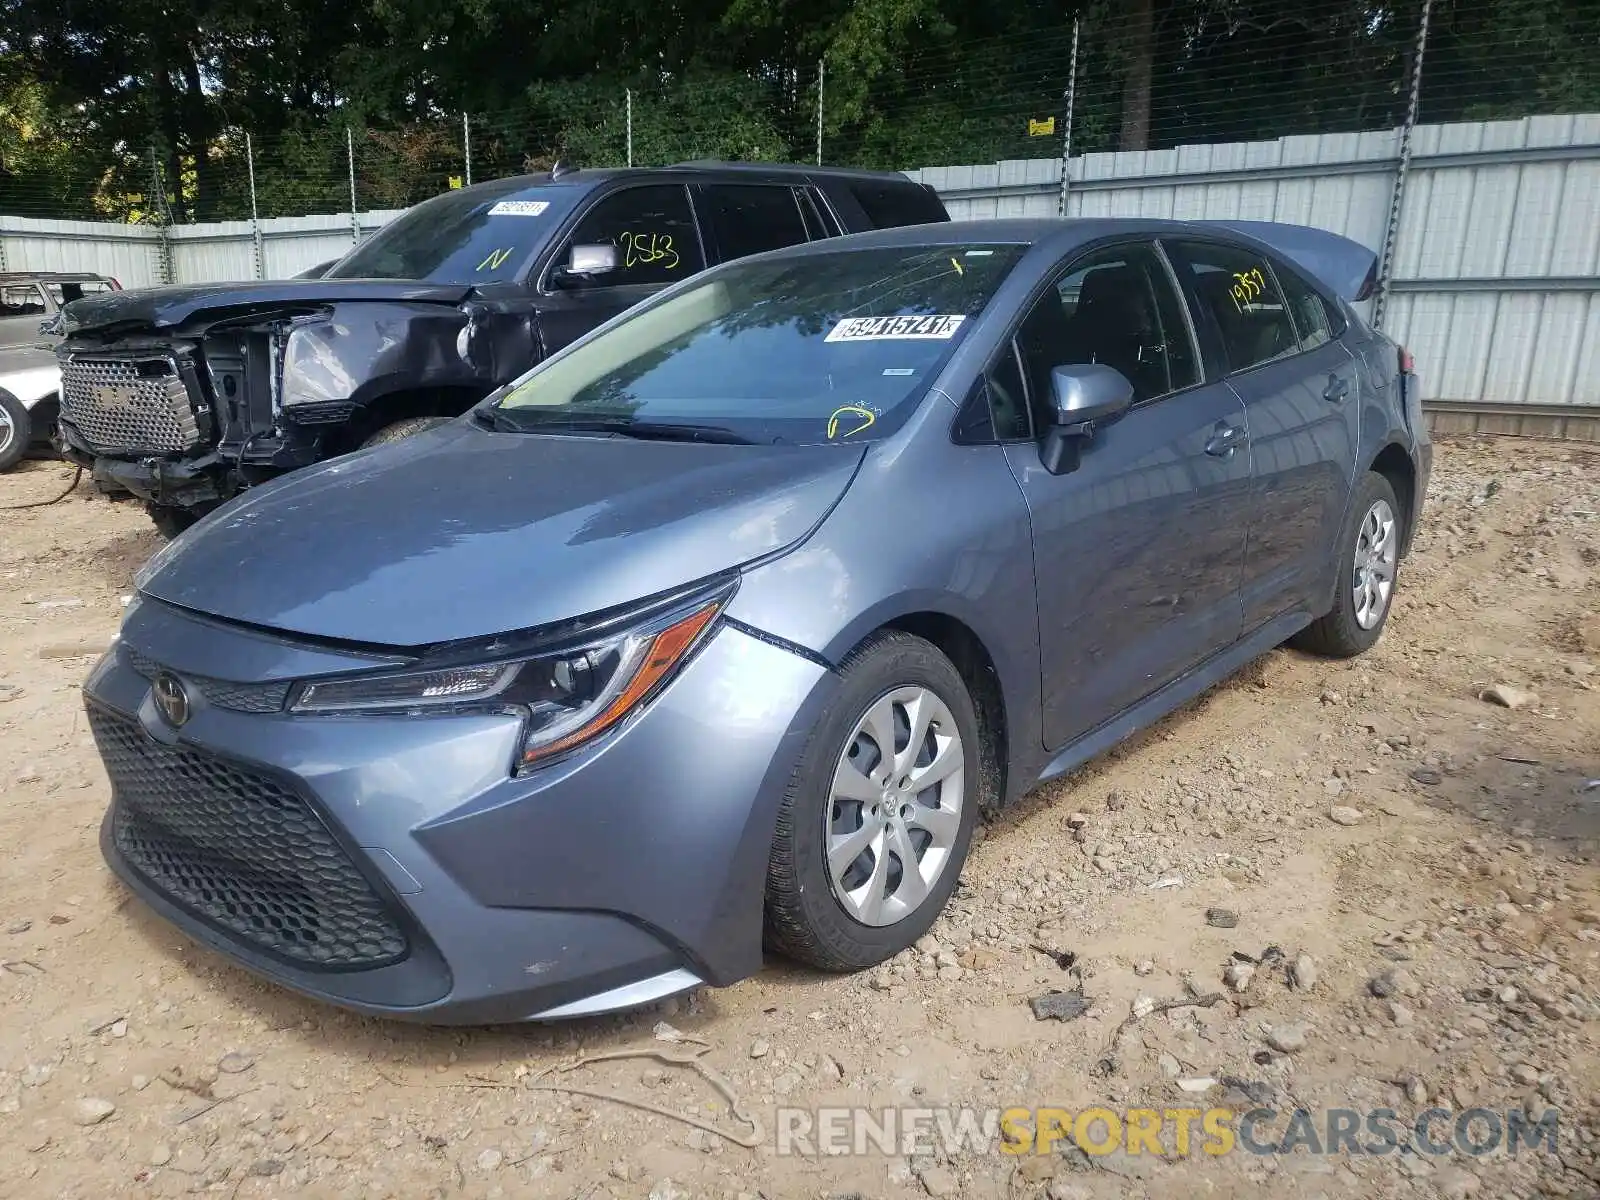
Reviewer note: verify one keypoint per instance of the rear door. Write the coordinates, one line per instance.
(740, 219)
(657, 241)
(1139, 551)
(1272, 331)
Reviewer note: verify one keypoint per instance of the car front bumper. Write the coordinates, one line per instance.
(394, 866)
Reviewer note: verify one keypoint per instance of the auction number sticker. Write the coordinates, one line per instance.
(519, 208)
(886, 329)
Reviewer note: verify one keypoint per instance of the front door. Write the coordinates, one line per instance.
(1139, 550)
(657, 243)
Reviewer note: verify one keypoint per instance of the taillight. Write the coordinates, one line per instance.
(115, 286)
(1407, 363)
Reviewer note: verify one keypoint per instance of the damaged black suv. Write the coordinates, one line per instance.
(186, 395)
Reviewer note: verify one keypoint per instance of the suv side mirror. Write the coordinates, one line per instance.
(587, 261)
(1081, 396)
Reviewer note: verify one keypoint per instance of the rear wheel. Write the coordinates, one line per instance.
(876, 823)
(403, 429)
(16, 430)
(1369, 567)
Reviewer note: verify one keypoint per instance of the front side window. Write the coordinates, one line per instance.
(1238, 289)
(21, 301)
(478, 235)
(1116, 307)
(837, 346)
(653, 232)
(749, 218)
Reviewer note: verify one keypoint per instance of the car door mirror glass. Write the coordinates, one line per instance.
(1085, 392)
(588, 261)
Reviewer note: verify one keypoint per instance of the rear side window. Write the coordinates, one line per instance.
(888, 205)
(1310, 313)
(749, 218)
(1239, 292)
(653, 231)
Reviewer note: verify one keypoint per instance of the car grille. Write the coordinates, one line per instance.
(239, 697)
(129, 404)
(241, 851)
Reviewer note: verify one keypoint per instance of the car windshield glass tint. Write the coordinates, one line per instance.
(834, 346)
(477, 236)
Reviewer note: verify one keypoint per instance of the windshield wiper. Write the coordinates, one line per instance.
(629, 427)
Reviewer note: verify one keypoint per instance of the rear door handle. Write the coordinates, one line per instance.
(1337, 390)
(1224, 440)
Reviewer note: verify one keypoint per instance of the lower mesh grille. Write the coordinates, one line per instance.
(242, 851)
(133, 404)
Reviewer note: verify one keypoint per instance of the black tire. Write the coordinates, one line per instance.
(16, 431)
(403, 429)
(1339, 634)
(170, 521)
(804, 919)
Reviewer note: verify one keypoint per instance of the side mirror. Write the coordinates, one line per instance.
(585, 262)
(1081, 396)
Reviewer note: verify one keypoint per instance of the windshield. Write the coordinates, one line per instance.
(484, 235)
(833, 346)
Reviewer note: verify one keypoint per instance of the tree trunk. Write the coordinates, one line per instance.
(197, 128)
(1135, 133)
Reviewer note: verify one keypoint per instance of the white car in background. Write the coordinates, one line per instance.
(30, 385)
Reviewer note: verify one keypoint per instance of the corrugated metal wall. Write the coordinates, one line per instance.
(1496, 281)
(1496, 271)
(208, 253)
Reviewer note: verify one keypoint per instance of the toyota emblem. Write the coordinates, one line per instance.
(171, 699)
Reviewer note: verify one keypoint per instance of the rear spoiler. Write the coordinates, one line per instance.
(1347, 267)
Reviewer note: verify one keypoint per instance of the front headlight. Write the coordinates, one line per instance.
(565, 697)
(313, 371)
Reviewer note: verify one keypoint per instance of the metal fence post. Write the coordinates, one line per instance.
(466, 144)
(163, 216)
(1066, 135)
(350, 154)
(629, 93)
(1391, 233)
(255, 217)
(822, 77)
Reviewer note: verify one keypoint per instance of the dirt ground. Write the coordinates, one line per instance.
(1358, 818)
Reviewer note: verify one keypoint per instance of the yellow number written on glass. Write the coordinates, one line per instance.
(1247, 285)
(649, 249)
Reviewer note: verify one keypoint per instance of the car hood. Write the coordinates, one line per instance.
(166, 307)
(461, 532)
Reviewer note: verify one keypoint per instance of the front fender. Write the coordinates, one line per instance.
(930, 528)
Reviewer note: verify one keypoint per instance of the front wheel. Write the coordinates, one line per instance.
(1369, 569)
(170, 521)
(403, 429)
(16, 430)
(875, 826)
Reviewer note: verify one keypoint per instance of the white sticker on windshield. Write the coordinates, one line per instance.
(882, 329)
(899, 370)
(518, 208)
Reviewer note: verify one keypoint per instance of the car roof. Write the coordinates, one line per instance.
(48, 276)
(1057, 232)
(587, 178)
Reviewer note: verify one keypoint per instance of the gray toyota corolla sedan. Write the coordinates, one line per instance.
(719, 628)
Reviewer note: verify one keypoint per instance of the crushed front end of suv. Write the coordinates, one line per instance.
(186, 396)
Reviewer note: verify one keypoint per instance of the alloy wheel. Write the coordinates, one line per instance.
(1377, 556)
(8, 431)
(895, 808)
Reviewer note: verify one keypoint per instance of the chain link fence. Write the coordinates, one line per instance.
(1137, 75)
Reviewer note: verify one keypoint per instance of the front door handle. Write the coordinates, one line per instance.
(1224, 440)
(1338, 388)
